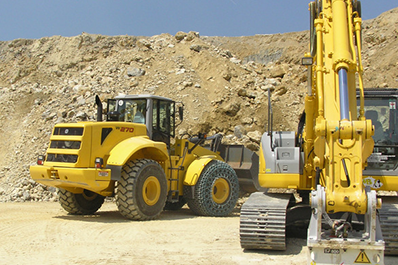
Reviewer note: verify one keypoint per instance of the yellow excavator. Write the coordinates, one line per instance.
(326, 175)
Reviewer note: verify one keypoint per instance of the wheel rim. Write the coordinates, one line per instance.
(89, 195)
(151, 191)
(220, 190)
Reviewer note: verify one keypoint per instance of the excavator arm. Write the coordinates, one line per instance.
(343, 141)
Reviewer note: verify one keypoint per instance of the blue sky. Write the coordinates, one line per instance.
(40, 18)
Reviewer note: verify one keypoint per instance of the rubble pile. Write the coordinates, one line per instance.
(222, 81)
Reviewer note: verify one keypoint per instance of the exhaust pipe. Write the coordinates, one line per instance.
(99, 108)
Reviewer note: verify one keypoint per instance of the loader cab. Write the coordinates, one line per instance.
(381, 108)
(157, 113)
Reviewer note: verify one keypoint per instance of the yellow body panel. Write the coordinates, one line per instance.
(122, 142)
(127, 148)
(74, 179)
(381, 183)
(196, 168)
(279, 180)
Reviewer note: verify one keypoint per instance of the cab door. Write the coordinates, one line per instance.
(163, 122)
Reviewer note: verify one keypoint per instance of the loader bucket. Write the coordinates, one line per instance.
(245, 163)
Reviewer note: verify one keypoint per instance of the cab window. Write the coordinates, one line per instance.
(163, 120)
(128, 110)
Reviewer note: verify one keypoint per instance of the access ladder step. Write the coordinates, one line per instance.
(173, 196)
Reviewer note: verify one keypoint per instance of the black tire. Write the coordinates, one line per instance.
(216, 192)
(175, 206)
(141, 191)
(87, 202)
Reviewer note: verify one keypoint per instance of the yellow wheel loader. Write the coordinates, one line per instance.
(135, 156)
(329, 170)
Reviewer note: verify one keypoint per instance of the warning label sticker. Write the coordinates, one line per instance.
(362, 258)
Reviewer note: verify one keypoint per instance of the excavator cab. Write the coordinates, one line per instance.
(381, 108)
(381, 172)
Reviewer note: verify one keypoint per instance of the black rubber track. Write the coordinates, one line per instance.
(87, 203)
(202, 203)
(129, 198)
(389, 224)
(263, 221)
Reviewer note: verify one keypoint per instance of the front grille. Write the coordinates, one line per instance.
(65, 144)
(61, 158)
(68, 131)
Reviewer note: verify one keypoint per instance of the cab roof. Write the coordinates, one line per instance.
(143, 96)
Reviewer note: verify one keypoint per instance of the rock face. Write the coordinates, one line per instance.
(223, 82)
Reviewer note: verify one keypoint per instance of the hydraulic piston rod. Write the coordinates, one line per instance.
(343, 89)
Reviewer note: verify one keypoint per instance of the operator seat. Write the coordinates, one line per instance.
(374, 116)
(139, 118)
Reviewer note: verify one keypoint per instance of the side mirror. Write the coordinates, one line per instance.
(181, 112)
(113, 116)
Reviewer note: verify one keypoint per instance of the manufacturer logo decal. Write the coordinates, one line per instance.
(127, 129)
(373, 183)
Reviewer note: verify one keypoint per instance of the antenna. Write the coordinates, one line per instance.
(270, 118)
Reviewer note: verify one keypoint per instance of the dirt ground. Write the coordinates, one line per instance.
(42, 233)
